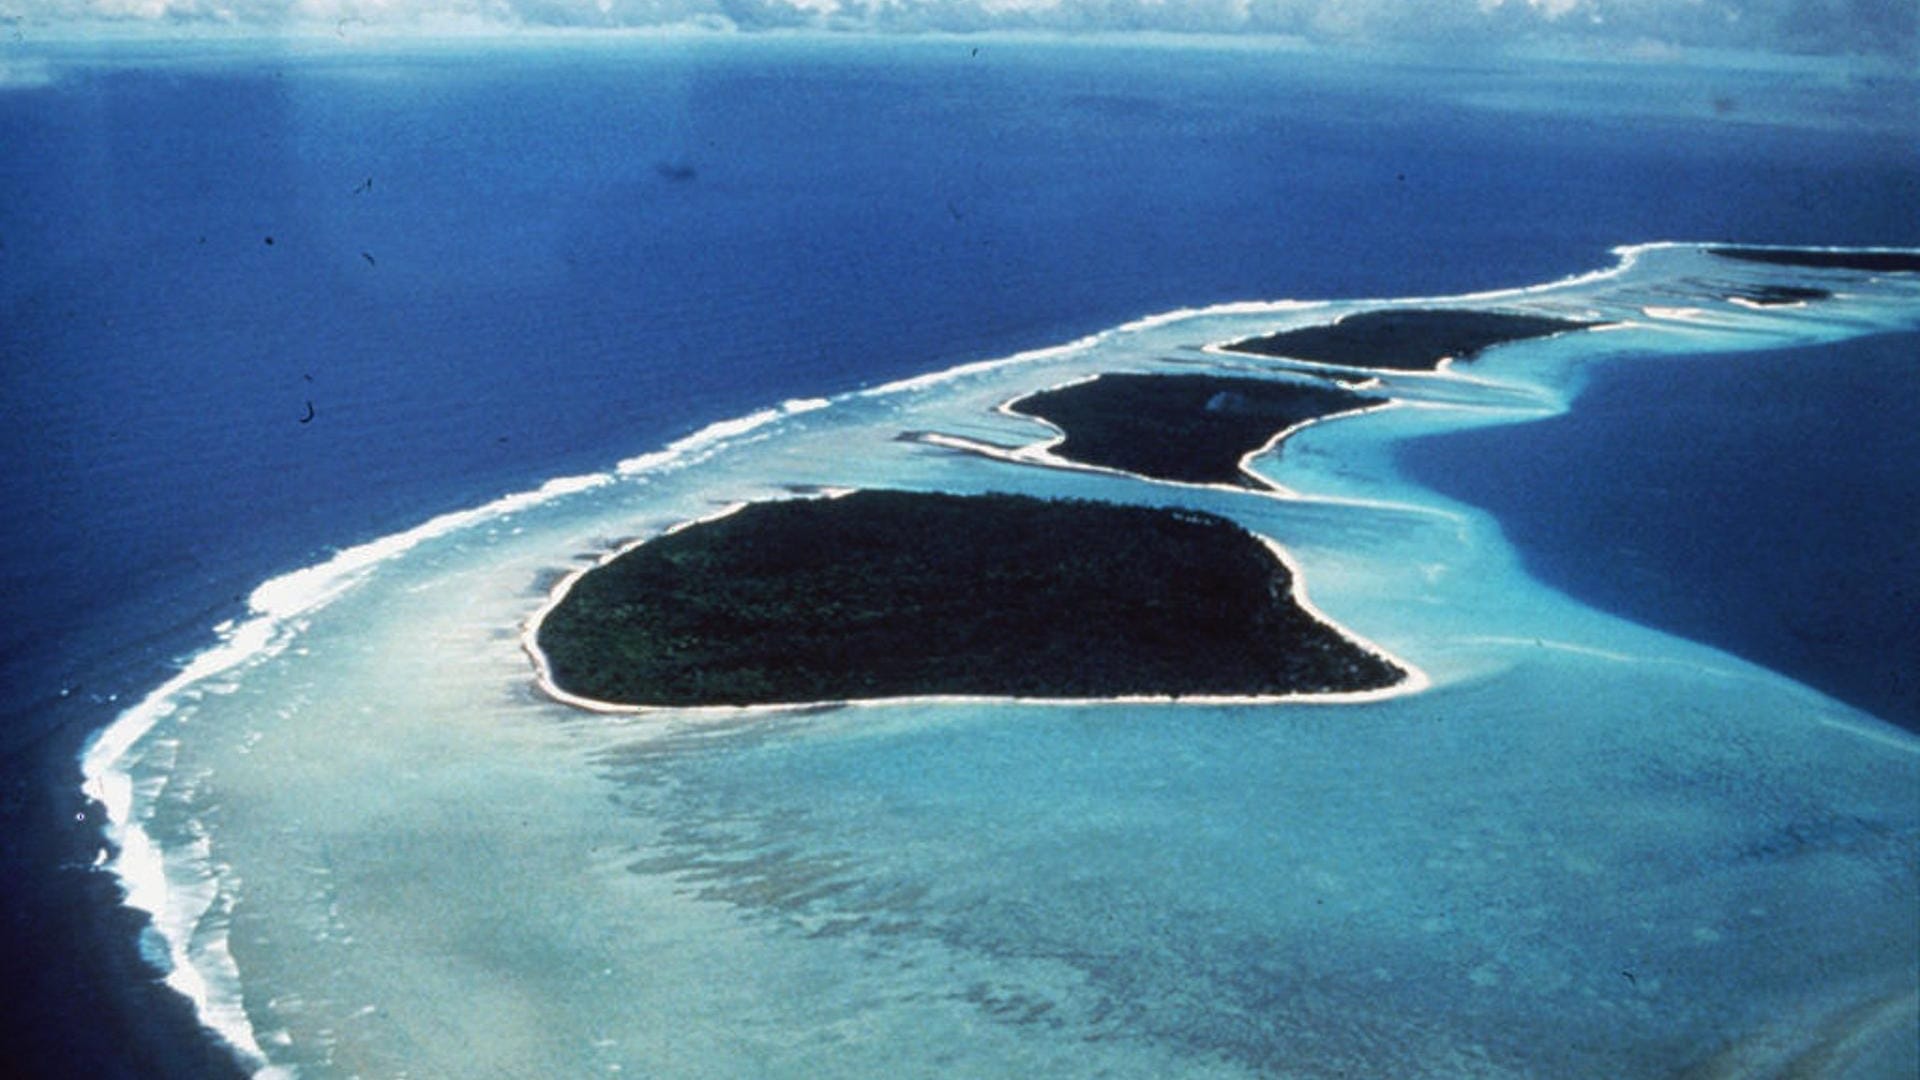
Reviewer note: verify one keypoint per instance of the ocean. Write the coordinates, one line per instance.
(1762, 502)
(266, 302)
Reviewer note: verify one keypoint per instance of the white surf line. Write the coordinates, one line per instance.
(1042, 453)
(1829, 249)
(1445, 371)
(1417, 678)
(277, 602)
(1225, 309)
(1765, 306)
(1413, 681)
(278, 609)
(139, 863)
(1245, 463)
(1446, 367)
(530, 630)
(700, 445)
(1036, 456)
(1696, 316)
(1626, 258)
(935, 378)
(1237, 365)
(1885, 735)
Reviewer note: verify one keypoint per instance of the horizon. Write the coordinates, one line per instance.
(1874, 32)
(341, 350)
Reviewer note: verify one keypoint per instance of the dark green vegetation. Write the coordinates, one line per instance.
(1776, 295)
(1872, 262)
(888, 594)
(1180, 427)
(1411, 340)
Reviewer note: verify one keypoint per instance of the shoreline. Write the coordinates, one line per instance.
(1405, 337)
(1344, 399)
(277, 602)
(770, 650)
(1041, 455)
(1773, 614)
(73, 946)
(1414, 679)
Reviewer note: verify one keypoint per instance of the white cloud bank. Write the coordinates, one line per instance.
(1886, 28)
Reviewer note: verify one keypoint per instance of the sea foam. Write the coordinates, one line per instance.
(181, 889)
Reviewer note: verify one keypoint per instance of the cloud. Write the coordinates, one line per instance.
(1879, 27)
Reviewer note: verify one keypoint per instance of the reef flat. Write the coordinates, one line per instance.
(882, 594)
(1574, 837)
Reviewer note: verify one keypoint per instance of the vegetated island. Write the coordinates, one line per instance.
(1192, 428)
(1777, 295)
(1872, 262)
(881, 594)
(1413, 339)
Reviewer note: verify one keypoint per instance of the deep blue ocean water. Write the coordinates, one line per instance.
(482, 266)
(489, 268)
(1763, 502)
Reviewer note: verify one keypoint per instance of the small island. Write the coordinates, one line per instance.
(1777, 295)
(1412, 339)
(881, 594)
(1191, 428)
(1871, 262)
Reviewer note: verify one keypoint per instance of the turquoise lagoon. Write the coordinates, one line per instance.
(1580, 847)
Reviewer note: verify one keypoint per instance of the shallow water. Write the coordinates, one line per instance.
(496, 262)
(1764, 502)
(1589, 848)
(491, 265)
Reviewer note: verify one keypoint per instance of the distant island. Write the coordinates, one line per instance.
(1872, 262)
(1778, 295)
(1411, 339)
(1192, 428)
(882, 594)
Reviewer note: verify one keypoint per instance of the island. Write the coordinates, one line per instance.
(887, 594)
(1777, 295)
(1871, 262)
(1191, 428)
(1405, 339)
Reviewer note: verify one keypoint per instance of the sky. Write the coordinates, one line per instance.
(1882, 28)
